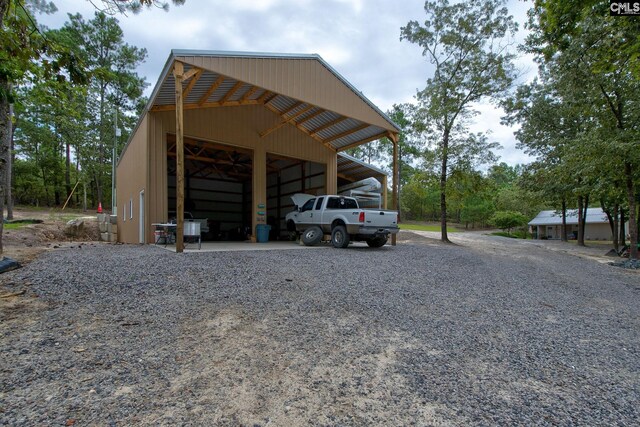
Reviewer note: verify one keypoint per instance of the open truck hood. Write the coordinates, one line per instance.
(300, 199)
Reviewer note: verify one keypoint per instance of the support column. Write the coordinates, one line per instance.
(178, 74)
(331, 174)
(259, 189)
(396, 178)
(385, 192)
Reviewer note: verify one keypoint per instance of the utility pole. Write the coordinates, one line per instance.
(113, 165)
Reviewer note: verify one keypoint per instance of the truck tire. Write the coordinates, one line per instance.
(312, 236)
(339, 237)
(377, 242)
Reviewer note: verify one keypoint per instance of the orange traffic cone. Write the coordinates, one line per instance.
(99, 207)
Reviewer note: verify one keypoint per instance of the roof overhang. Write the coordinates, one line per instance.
(206, 87)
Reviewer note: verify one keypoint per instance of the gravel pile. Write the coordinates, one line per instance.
(418, 334)
(633, 264)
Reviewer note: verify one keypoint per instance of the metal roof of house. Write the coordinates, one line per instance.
(302, 89)
(594, 216)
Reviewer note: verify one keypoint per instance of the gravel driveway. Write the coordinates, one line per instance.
(492, 332)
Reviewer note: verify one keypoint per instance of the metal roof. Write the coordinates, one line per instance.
(594, 216)
(208, 89)
(355, 169)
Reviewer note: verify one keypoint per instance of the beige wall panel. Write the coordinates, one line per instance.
(157, 197)
(303, 79)
(131, 178)
(240, 126)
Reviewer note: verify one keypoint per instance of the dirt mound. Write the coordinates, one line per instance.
(23, 241)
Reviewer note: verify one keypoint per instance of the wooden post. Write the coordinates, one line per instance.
(396, 177)
(178, 71)
(385, 192)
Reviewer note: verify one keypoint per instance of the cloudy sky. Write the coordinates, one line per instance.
(359, 38)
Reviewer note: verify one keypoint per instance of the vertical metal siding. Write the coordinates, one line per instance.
(131, 178)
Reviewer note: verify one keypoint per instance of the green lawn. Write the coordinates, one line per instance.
(13, 226)
(425, 227)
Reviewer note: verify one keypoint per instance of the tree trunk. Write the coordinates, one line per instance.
(580, 222)
(10, 158)
(443, 187)
(67, 172)
(564, 221)
(622, 238)
(633, 224)
(5, 132)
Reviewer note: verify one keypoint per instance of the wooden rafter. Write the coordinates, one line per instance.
(263, 97)
(290, 109)
(348, 132)
(233, 90)
(286, 120)
(269, 98)
(365, 140)
(192, 82)
(211, 89)
(317, 138)
(205, 105)
(248, 93)
(328, 125)
(192, 72)
(311, 116)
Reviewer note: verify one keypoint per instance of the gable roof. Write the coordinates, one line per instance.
(303, 89)
(594, 216)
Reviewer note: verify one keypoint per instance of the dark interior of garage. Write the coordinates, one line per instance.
(218, 188)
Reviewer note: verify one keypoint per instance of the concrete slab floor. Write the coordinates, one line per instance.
(243, 246)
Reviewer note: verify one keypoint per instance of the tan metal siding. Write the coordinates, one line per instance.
(131, 178)
(303, 79)
(157, 197)
(240, 126)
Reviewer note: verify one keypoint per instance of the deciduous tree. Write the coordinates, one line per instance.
(466, 44)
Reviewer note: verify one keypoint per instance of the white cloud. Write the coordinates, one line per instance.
(361, 39)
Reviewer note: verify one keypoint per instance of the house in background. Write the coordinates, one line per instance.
(548, 225)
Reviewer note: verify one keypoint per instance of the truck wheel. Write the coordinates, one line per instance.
(377, 242)
(312, 236)
(339, 237)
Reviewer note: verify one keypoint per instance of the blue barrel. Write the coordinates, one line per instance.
(262, 233)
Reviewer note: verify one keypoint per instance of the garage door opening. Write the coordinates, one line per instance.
(218, 188)
(287, 176)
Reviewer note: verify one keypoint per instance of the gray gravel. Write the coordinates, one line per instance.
(491, 333)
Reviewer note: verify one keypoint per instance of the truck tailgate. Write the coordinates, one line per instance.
(381, 219)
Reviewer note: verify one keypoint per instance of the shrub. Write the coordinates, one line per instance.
(506, 220)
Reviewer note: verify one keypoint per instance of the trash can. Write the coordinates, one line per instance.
(262, 233)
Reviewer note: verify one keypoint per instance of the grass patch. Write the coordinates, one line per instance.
(14, 226)
(514, 235)
(425, 227)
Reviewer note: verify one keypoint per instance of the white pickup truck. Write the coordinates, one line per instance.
(341, 217)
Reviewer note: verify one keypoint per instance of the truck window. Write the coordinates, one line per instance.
(308, 206)
(319, 203)
(341, 203)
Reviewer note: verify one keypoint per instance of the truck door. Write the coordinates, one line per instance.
(305, 216)
(317, 212)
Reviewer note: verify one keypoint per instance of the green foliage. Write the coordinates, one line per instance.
(466, 43)
(515, 235)
(580, 118)
(506, 220)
